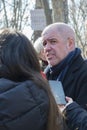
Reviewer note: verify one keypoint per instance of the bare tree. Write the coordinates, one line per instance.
(60, 11)
(15, 14)
(5, 13)
(48, 11)
(37, 33)
(42, 4)
(77, 18)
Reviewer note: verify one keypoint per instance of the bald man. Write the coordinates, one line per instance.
(65, 61)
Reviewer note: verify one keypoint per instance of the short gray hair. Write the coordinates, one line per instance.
(38, 45)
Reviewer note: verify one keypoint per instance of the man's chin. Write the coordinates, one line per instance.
(51, 63)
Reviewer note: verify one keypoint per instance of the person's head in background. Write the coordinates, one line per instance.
(38, 45)
(18, 63)
(58, 41)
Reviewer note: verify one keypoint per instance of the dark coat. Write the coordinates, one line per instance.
(75, 81)
(23, 106)
(76, 117)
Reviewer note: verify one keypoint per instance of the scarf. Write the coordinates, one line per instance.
(58, 71)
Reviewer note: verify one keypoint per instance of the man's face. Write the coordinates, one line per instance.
(55, 47)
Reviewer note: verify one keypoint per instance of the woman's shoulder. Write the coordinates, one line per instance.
(37, 91)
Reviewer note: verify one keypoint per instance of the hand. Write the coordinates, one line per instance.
(69, 101)
(62, 107)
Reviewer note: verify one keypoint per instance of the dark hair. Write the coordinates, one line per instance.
(19, 62)
(17, 55)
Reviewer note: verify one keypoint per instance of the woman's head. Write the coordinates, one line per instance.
(17, 55)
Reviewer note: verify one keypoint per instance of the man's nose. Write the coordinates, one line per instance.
(47, 46)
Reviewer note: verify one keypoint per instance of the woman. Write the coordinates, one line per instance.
(26, 102)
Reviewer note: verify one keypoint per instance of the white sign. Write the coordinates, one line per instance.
(38, 19)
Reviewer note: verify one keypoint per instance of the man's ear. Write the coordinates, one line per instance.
(70, 44)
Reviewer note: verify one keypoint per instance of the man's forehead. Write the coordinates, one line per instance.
(50, 35)
(48, 30)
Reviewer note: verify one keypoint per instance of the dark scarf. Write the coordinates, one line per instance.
(58, 71)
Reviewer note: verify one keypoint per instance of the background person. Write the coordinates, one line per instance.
(65, 61)
(75, 115)
(26, 102)
(40, 51)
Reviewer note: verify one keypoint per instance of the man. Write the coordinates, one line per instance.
(65, 61)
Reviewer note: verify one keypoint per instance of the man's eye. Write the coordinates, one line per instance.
(44, 43)
(53, 42)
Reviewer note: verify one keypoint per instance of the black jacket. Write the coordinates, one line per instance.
(23, 106)
(76, 117)
(74, 81)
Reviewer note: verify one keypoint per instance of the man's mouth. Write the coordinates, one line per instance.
(50, 57)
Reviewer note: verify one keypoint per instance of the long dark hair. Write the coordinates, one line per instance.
(19, 62)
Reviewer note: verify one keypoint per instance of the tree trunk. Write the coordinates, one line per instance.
(47, 11)
(60, 11)
(37, 33)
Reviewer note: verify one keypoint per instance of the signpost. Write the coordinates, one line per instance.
(38, 19)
